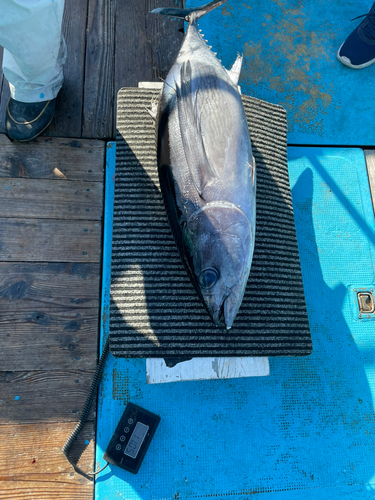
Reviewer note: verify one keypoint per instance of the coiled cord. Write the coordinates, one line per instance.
(85, 413)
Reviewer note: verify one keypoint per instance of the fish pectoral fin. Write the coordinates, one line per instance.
(235, 70)
(153, 111)
(191, 135)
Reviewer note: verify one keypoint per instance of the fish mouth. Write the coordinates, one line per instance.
(227, 311)
(218, 314)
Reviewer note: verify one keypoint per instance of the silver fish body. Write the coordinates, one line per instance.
(207, 173)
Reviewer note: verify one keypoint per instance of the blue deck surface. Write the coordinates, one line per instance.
(305, 432)
(289, 49)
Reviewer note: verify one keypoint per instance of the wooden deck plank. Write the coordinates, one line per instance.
(99, 70)
(44, 396)
(4, 140)
(49, 339)
(164, 37)
(39, 240)
(51, 199)
(44, 487)
(32, 286)
(132, 46)
(32, 466)
(53, 158)
(67, 121)
(370, 162)
(140, 35)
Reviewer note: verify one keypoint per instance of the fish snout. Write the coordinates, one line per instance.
(215, 306)
(231, 306)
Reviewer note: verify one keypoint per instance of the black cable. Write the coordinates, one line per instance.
(85, 413)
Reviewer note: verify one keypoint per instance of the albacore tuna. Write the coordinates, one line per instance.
(207, 170)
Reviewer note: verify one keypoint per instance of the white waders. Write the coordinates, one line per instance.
(34, 50)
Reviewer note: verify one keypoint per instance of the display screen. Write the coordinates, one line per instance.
(136, 440)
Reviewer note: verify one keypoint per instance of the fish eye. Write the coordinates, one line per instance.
(208, 278)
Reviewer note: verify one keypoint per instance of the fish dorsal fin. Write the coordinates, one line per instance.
(191, 135)
(235, 70)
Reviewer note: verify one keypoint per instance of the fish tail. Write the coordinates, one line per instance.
(189, 14)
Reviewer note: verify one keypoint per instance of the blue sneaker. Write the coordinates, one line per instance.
(358, 50)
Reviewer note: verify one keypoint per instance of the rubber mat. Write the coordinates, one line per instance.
(307, 430)
(289, 50)
(155, 311)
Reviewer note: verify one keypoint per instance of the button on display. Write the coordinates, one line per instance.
(122, 438)
(126, 430)
(130, 421)
(118, 447)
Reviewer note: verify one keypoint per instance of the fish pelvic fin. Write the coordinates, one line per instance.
(190, 15)
(200, 170)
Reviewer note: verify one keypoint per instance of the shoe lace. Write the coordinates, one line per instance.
(369, 27)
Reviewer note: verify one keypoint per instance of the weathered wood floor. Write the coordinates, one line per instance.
(51, 214)
(51, 198)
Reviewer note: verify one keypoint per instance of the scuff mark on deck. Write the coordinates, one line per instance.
(300, 89)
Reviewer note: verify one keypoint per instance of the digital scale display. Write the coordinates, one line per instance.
(132, 437)
(136, 440)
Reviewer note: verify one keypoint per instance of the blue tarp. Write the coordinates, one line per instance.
(289, 49)
(307, 430)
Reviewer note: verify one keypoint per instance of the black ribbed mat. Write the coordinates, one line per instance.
(155, 311)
